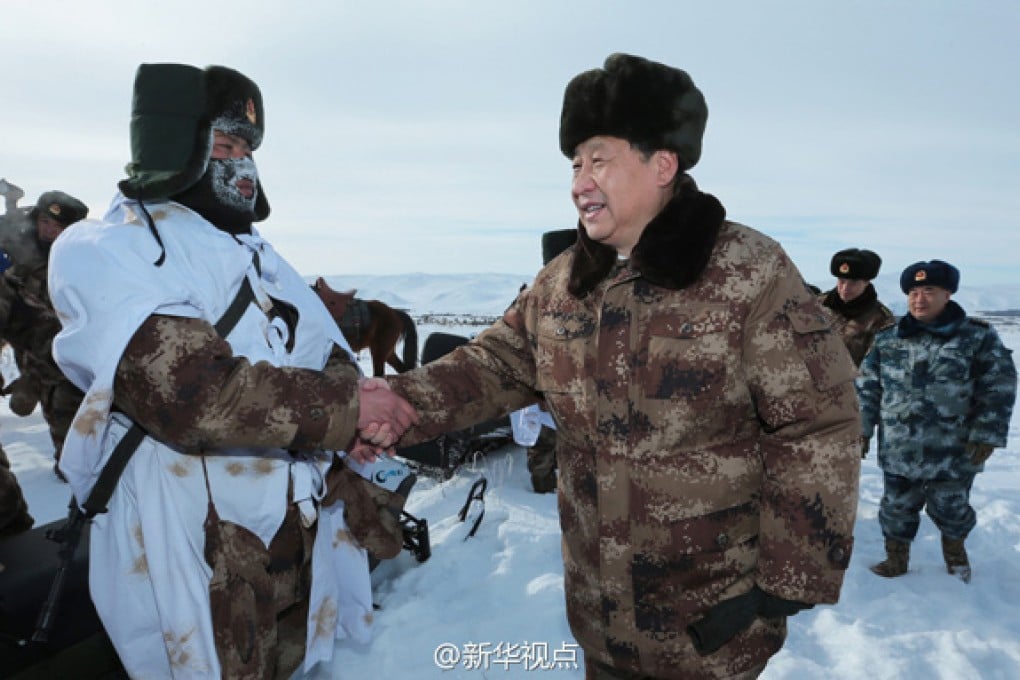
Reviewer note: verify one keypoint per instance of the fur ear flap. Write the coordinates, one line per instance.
(171, 135)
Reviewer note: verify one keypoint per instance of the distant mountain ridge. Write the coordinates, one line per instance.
(479, 294)
(490, 294)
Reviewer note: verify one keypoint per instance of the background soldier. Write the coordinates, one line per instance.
(940, 387)
(27, 320)
(857, 313)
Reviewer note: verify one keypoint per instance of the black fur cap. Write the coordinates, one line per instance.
(651, 105)
(174, 109)
(854, 263)
(62, 207)
(672, 251)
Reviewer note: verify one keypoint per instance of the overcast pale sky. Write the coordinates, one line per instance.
(422, 136)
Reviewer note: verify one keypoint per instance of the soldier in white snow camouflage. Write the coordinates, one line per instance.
(939, 387)
(707, 425)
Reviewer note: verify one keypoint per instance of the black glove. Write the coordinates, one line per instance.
(723, 621)
(774, 607)
(728, 618)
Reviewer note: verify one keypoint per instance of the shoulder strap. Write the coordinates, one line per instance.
(245, 296)
(102, 490)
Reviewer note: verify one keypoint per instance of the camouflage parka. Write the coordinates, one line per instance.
(857, 321)
(27, 320)
(931, 389)
(706, 424)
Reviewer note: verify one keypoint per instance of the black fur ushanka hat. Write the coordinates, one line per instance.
(647, 103)
(174, 109)
(855, 263)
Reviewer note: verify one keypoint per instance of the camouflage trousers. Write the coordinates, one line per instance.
(946, 501)
(14, 517)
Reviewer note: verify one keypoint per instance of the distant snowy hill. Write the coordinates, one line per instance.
(482, 294)
(489, 294)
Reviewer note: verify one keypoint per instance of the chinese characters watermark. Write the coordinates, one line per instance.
(529, 656)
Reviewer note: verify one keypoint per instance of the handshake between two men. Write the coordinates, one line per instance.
(383, 417)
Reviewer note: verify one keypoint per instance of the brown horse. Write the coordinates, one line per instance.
(372, 324)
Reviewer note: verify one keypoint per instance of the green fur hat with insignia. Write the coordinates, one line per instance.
(651, 105)
(62, 207)
(174, 110)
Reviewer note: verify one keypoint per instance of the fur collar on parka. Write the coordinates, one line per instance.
(854, 308)
(671, 252)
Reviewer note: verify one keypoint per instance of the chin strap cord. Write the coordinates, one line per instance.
(155, 234)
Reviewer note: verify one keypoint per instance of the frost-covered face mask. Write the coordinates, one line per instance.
(225, 195)
(234, 182)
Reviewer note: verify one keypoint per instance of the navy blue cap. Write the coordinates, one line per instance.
(933, 273)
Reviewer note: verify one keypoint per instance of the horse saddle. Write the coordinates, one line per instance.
(355, 317)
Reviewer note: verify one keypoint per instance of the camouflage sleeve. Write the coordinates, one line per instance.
(869, 390)
(801, 380)
(488, 377)
(7, 295)
(994, 392)
(182, 383)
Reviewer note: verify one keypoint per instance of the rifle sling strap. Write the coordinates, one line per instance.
(102, 490)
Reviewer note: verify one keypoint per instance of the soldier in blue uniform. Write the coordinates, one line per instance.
(940, 387)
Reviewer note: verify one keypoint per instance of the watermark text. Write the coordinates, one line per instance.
(529, 656)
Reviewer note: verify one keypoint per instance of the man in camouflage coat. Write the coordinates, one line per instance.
(27, 320)
(705, 410)
(940, 388)
(856, 311)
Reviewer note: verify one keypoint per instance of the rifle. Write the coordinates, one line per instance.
(69, 536)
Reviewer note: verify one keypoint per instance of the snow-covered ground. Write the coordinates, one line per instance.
(492, 606)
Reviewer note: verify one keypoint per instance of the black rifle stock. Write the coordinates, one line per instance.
(69, 537)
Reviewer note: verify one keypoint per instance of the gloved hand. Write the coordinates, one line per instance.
(978, 452)
(728, 618)
(773, 607)
(865, 446)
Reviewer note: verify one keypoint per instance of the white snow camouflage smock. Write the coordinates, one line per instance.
(148, 575)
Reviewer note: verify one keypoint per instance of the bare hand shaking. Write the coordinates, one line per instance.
(382, 418)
